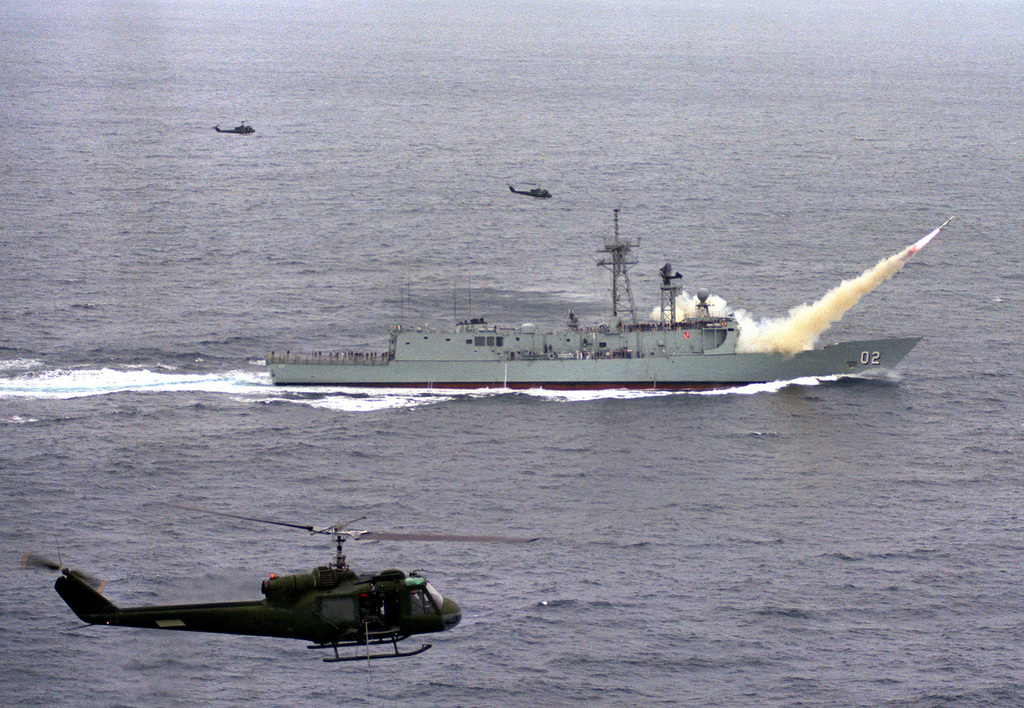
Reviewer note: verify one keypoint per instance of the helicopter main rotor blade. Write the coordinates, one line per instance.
(246, 518)
(341, 531)
(390, 536)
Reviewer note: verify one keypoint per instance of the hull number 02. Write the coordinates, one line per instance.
(872, 358)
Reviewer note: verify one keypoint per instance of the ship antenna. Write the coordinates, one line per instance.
(669, 294)
(621, 260)
(401, 310)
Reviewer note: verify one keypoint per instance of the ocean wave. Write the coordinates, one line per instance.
(18, 420)
(20, 364)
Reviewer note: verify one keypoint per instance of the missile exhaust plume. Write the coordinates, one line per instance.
(801, 328)
(911, 250)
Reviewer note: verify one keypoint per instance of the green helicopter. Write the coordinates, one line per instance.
(331, 607)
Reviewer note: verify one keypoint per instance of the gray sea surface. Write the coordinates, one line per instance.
(852, 542)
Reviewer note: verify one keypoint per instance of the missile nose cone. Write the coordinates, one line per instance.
(451, 613)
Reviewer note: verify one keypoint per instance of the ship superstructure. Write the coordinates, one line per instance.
(674, 352)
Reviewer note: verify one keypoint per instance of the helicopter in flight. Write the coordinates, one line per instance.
(331, 607)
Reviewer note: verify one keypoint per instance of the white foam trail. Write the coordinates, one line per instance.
(359, 400)
(629, 394)
(591, 395)
(800, 330)
(65, 384)
(257, 386)
(19, 364)
(347, 404)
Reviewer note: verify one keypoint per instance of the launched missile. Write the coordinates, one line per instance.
(801, 328)
(911, 250)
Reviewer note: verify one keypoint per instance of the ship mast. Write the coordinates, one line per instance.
(669, 293)
(619, 259)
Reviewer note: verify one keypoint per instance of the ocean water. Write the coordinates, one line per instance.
(851, 542)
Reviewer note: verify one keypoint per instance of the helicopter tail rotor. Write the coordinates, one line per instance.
(34, 561)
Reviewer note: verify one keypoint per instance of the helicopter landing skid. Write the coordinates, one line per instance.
(397, 653)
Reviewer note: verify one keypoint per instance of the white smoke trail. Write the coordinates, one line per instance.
(805, 323)
(686, 307)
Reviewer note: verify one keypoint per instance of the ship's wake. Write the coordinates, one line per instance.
(41, 383)
(28, 379)
(256, 387)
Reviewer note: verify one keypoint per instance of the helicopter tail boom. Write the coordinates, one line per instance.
(83, 600)
(248, 617)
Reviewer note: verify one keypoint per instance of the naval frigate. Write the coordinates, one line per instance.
(677, 351)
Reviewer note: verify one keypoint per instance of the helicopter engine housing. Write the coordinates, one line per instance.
(287, 587)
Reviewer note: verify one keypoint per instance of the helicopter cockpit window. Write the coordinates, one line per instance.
(420, 602)
(435, 595)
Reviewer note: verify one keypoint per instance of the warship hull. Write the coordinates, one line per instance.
(582, 370)
(692, 344)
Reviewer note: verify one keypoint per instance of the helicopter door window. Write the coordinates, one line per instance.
(392, 608)
(338, 611)
(420, 603)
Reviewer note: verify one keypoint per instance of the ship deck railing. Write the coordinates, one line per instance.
(689, 323)
(338, 358)
(575, 355)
